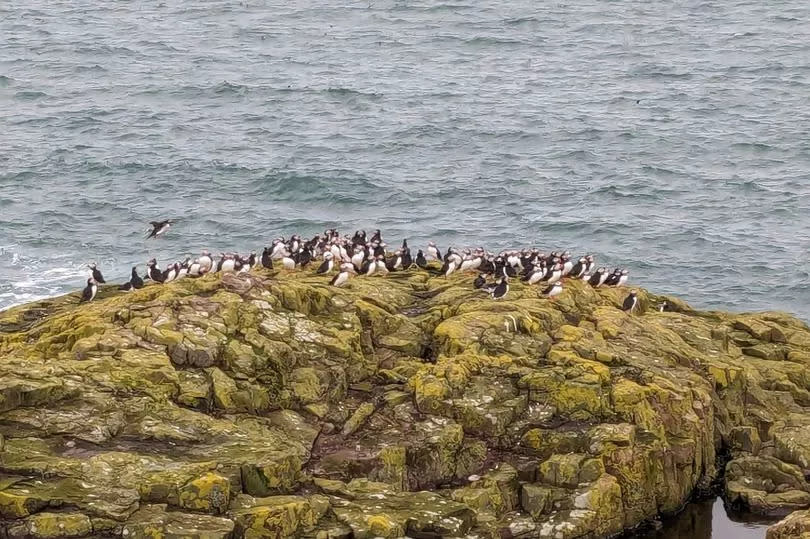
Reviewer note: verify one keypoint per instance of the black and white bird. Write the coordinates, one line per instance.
(537, 275)
(279, 249)
(501, 288)
(630, 302)
(554, 289)
(407, 259)
(590, 263)
(665, 307)
(96, 273)
(579, 269)
(433, 252)
(421, 261)
(159, 228)
(382, 269)
(555, 273)
(90, 291)
(135, 282)
(395, 262)
(598, 278)
(449, 266)
(170, 273)
(346, 271)
(288, 262)
(267, 258)
(153, 272)
(328, 263)
(206, 262)
(479, 281)
(135, 279)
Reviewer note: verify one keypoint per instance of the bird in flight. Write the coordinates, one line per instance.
(159, 228)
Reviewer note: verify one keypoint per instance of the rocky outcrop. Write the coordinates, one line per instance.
(273, 405)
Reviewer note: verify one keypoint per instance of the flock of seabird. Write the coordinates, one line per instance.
(358, 255)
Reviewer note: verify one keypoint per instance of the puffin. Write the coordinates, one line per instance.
(578, 269)
(382, 269)
(328, 263)
(279, 249)
(97, 273)
(153, 272)
(433, 252)
(135, 282)
(159, 228)
(170, 273)
(421, 261)
(479, 281)
(598, 277)
(206, 262)
(630, 303)
(395, 262)
(267, 258)
(554, 289)
(90, 291)
(501, 288)
(449, 266)
(346, 270)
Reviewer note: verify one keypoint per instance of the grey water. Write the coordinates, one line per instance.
(708, 519)
(672, 138)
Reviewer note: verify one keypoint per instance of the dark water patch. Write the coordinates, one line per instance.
(708, 519)
(30, 95)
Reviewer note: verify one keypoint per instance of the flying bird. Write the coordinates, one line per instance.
(159, 228)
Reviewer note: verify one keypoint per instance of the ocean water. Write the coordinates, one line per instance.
(708, 519)
(672, 138)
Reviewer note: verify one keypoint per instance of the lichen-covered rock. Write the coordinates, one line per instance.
(272, 404)
(795, 526)
(50, 525)
(155, 522)
(374, 510)
(274, 517)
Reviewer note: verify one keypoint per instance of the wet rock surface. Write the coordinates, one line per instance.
(272, 405)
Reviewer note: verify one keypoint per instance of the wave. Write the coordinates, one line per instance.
(30, 95)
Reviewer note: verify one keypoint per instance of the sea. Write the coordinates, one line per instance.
(671, 138)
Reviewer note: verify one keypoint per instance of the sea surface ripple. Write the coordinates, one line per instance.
(673, 138)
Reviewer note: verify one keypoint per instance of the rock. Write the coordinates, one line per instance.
(51, 525)
(153, 521)
(375, 511)
(535, 499)
(795, 526)
(209, 493)
(358, 418)
(766, 485)
(270, 404)
(277, 516)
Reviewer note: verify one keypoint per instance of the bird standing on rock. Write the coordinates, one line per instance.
(328, 263)
(630, 302)
(554, 289)
(90, 291)
(346, 271)
(359, 255)
(501, 288)
(96, 273)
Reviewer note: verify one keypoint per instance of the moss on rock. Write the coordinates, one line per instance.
(164, 412)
